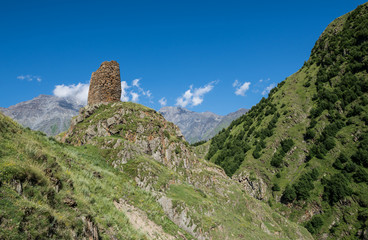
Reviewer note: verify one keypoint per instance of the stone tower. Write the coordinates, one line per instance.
(105, 85)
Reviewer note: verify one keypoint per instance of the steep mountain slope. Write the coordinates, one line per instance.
(199, 126)
(304, 149)
(54, 191)
(132, 178)
(193, 193)
(45, 113)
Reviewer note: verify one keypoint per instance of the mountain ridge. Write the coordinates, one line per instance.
(197, 126)
(304, 148)
(127, 165)
(46, 113)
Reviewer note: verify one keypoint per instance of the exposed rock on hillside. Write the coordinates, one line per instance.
(140, 130)
(306, 145)
(105, 85)
(193, 193)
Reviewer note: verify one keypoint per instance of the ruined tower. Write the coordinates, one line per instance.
(105, 84)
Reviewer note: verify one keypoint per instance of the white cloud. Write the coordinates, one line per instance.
(147, 93)
(241, 88)
(236, 83)
(194, 97)
(135, 82)
(268, 89)
(162, 102)
(135, 96)
(124, 94)
(29, 78)
(262, 80)
(141, 91)
(78, 92)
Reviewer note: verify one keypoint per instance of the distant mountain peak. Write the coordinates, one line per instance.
(46, 113)
(197, 126)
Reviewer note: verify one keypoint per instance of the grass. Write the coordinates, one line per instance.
(33, 214)
(294, 99)
(64, 184)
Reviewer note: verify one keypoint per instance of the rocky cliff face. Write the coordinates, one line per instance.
(198, 126)
(45, 113)
(105, 85)
(140, 131)
(193, 193)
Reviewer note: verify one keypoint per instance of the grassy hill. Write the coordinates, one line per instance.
(127, 174)
(304, 149)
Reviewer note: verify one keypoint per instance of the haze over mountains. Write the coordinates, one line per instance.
(46, 113)
(199, 126)
(294, 167)
(122, 171)
(52, 115)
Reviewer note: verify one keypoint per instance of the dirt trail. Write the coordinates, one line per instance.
(140, 221)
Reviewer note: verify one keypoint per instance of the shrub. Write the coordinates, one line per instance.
(312, 123)
(275, 187)
(338, 165)
(314, 225)
(315, 112)
(305, 184)
(336, 189)
(314, 174)
(342, 158)
(287, 144)
(276, 160)
(288, 195)
(350, 167)
(329, 143)
(198, 143)
(303, 188)
(360, 157)
(310, 134)
(360, 175)
(256, 154)
(363, 215)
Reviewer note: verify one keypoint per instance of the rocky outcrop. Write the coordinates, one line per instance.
(194, 194)
(90, 230)
(140, 221)
(254, 186)
(139, 130)
(105, 85)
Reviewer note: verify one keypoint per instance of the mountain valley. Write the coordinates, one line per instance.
(294, 166)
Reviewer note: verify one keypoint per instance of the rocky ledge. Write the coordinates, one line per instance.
(131, 129)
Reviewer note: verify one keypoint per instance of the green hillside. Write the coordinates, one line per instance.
(129, 175)
(304, 149)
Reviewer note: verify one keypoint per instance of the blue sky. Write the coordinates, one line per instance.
(214, 56)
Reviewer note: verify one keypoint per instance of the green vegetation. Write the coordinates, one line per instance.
(301, 189)
(61, 188)
(336, 188)
(314, 120)
(51, 190)
(307, 143)
(198, 143)
(314, 225)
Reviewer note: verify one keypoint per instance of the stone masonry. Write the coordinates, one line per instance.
(105, 85)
